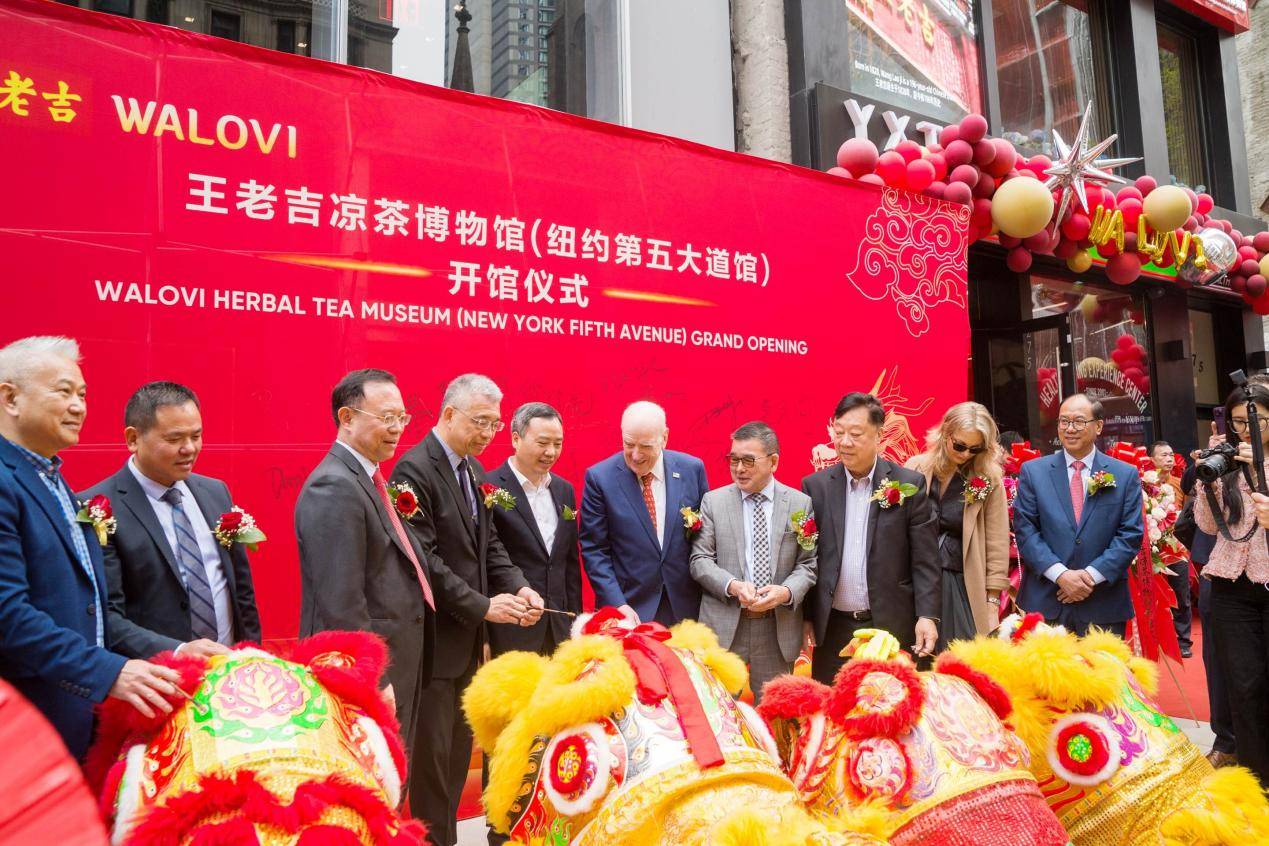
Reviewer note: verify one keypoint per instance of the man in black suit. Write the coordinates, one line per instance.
(475, 583)
(878, 566)
(540, 533)
(170, 584)
(360, 569)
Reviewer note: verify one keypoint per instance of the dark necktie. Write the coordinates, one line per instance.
(202, 610)
(469, 493)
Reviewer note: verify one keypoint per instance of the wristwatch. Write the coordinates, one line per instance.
(993, 601)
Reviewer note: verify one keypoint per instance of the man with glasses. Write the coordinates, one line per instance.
(360, 570)
(1078, 521)
(747, 558)
(476, 583)
(635, 546)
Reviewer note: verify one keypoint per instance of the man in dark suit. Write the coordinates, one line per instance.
(53, 627)
(360, 569)
(1077, 536)
(171, 584)
(879, 564)
(634, 544)
(540, 533)
(475, 583)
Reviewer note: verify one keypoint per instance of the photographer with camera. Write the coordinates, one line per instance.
(1231, 481)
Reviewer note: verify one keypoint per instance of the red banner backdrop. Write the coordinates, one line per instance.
(254, 224)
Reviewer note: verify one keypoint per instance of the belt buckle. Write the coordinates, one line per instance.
(861, 616)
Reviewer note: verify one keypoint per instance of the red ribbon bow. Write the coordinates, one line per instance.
(660, 673)
(1019, 454)
(1135, 455)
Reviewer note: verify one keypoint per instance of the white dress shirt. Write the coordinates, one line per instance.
(208, 549)
(366, 464)
(658, 495)
(768, 510)
(851, 593)
(541, 503)
(1085, 472)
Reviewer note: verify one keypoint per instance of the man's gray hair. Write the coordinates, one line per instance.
(20, 357)
(644, 413)
(529, 412)
(470, 386)
(758, 431)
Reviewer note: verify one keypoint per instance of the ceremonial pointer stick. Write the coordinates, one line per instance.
(554, 611)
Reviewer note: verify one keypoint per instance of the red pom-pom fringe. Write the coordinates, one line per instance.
(1028, 624)
(845, 696)
(792, 697)
(993, 694)
(251, 803)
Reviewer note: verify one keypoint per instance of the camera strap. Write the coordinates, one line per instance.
(1219, 514)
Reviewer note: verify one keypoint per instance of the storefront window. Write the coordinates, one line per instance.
(1182, 106)
(1051, 60)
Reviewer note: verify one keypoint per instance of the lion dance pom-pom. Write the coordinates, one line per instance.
(264, 748)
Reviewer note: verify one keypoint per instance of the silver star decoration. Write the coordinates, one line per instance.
(1077, 164)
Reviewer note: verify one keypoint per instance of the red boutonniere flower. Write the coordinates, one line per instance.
(237, 526)
(1100, 481)
(404, 500)
(495, 495)
(97, 513)
(691, 520)
(805, 529)
(978, 489)
(893, 492)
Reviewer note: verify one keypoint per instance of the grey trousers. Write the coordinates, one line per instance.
(756, 642)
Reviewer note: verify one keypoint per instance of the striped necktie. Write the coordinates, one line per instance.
(202, 610)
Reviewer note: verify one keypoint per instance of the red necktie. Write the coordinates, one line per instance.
(1077, 490)
(650, 501)
(382, 487)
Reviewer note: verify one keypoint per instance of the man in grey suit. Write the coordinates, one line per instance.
(752, 570)
(360, 569)
(170, 584)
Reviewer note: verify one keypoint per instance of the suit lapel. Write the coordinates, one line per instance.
(629, 484)
(133, 498)
(204, 496)
(1062, 485)
(879, 477)
(1091, 502)
(781, 510)
(673, 489)
(441, 459)
(731, 528)
(367, 485)
(507, 477)
(837, 507)
(29, 478)
(561, 527)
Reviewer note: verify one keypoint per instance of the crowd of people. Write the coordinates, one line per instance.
(450, 563)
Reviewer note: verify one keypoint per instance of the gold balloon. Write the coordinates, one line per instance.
(1022, 207)
(1079, 263)
(1107, 226)
(1264, 266)
(1167, 207)
(1151, 244)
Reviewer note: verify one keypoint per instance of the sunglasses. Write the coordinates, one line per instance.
(960, 447)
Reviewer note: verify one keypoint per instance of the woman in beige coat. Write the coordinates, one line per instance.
(962, 470)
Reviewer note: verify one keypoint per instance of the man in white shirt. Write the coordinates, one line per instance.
(540, 533)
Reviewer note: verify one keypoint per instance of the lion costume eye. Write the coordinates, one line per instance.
(578, 769)
(1084, 749)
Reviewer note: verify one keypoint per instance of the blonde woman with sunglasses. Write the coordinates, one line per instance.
(962, 470)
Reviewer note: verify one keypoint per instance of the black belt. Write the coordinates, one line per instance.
(756, 615)
(864, 616)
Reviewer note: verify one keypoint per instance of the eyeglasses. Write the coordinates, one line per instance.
(389, 420)
(746, 461)
(960, 447)
(1242, 424)
(484, 424)
(1075, 424)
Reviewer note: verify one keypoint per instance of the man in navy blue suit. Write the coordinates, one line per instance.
(52, 587)
(635, 547)
(1079, 526)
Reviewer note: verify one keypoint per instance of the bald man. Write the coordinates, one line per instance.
(635, 547)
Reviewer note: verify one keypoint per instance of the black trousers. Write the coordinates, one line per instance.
(1182, 614)
(1079, 628)
(825, 660)
(1240, 618)
(442, 753)
(1217, 696)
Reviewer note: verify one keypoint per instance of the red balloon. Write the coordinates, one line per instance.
(1256, 285)
(958, 153)
(1190, 192)
(1094, 194)
(984, 152)
(1008, 241)
(1038, 164)
(985, 186)
(1131, 207)
(934, 148)
(1261, 305)
(1247, 251)
(1077, 226)
(940, 165)
(1066, 248)
(1133, 373)
(1109, 202)
(1146, 184)
(858, 155)
(1205, 204)
(1118, 356)
(1005, 159)
(1018, 260)
(1261, 241)
(973, 128)
(1245, 241)
(1125, 342)
(1130, 242)
(964, 173)
(948, 134)
(910, 150)
(1191, 224)
(935, 189)
(958, 192)
(1137, 316)
(873, 179)
(920, 174)
(1038, 243)
(981, 213)
(892, 169)
(1128, 192)
(1123, 269)
(1249, 268)
(1238, 284)
(1110, 248)
(840, 171)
